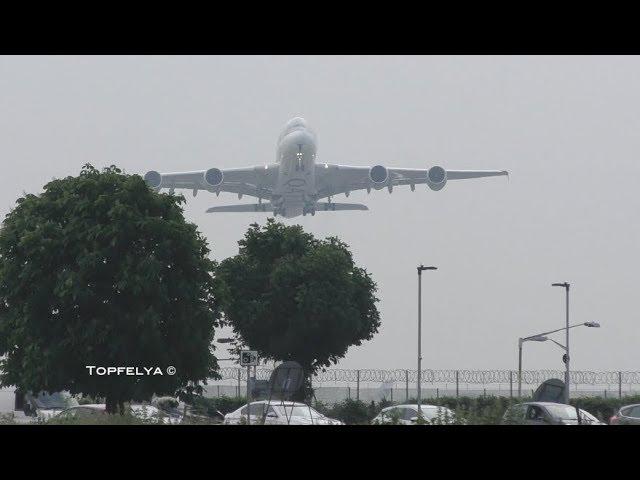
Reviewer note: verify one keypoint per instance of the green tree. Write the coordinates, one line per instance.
(101, 270)
(291, 296)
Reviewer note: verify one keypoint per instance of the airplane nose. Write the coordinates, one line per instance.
(298, 137)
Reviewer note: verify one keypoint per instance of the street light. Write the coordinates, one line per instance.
(566, 285)
(420, 269)
(533, 338)
(542, 337)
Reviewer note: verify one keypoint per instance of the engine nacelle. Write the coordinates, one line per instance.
(153, 179)
(213, 177)
(378, 176)
(436, 178)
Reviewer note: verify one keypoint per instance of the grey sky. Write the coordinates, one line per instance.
(565, 127)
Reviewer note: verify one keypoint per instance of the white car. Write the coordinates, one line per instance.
(278, 412)
(408, 415)
(144, 412)
(44, 406)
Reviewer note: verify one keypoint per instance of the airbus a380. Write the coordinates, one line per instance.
(296, 183)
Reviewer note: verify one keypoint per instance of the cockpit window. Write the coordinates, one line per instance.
(297, 122)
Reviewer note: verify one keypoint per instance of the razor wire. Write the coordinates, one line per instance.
(475, 377)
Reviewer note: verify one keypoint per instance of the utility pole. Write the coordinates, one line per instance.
(420, 269)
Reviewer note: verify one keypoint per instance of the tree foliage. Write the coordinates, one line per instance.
(291, 296)
(101, 270)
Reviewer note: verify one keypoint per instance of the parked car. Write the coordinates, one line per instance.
(279, 412)
(149, 412)
(627, 415)
(143, 412)
(46, 405)
(170, 406)
(408, 415)
(547, 413)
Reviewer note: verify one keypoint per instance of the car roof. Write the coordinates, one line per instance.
(279, 402)
(630, 405)
(549, 404)
(93, 406)
(412, 406)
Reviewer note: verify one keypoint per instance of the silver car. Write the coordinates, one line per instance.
(547, 413)
(627, 415)
(143, 412)
(278, 413)
(408, 415)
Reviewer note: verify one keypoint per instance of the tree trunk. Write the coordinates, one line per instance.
(111, 405)
(114, 405)
(305, 393)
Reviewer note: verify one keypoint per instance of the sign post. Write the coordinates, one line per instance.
(248, 358)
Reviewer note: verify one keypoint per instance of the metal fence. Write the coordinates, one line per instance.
(369, 384)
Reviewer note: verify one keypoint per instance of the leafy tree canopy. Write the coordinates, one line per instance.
(291, 296)
(101, 270)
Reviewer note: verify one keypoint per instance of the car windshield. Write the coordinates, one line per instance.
(564, 412)
(56, 400)
(588, 417)
(432, 413)
(297, 411)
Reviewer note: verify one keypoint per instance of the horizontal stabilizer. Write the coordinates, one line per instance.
(246, 207)
(324, 206)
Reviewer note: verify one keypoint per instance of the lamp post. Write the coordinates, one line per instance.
(420, 269)
(542, 337)
(566, 358)
(533, 338)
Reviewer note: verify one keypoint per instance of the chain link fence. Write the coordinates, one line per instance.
(333, 385)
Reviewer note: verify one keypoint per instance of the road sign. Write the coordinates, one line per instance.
(248, 358)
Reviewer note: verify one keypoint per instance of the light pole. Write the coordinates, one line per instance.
(542, 337)
(420, 269)
(533, 338)
(565, 285)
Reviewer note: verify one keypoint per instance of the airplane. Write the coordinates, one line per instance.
(296, 182)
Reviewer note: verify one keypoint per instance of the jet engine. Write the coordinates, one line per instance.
(153, 179)
(213, 177)
(436, 178)
(378, 176)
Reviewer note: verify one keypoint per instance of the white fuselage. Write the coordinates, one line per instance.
(295, 188)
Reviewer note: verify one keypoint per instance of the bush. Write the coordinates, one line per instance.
(351, 412)
(603, 408)
(88, 400)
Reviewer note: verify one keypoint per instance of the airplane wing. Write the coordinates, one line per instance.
(320, 207)
(257, 181)
(333, 179)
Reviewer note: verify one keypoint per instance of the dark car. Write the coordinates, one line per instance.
(627, 415)
(547, 413)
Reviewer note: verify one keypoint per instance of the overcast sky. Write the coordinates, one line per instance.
(566, 128)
